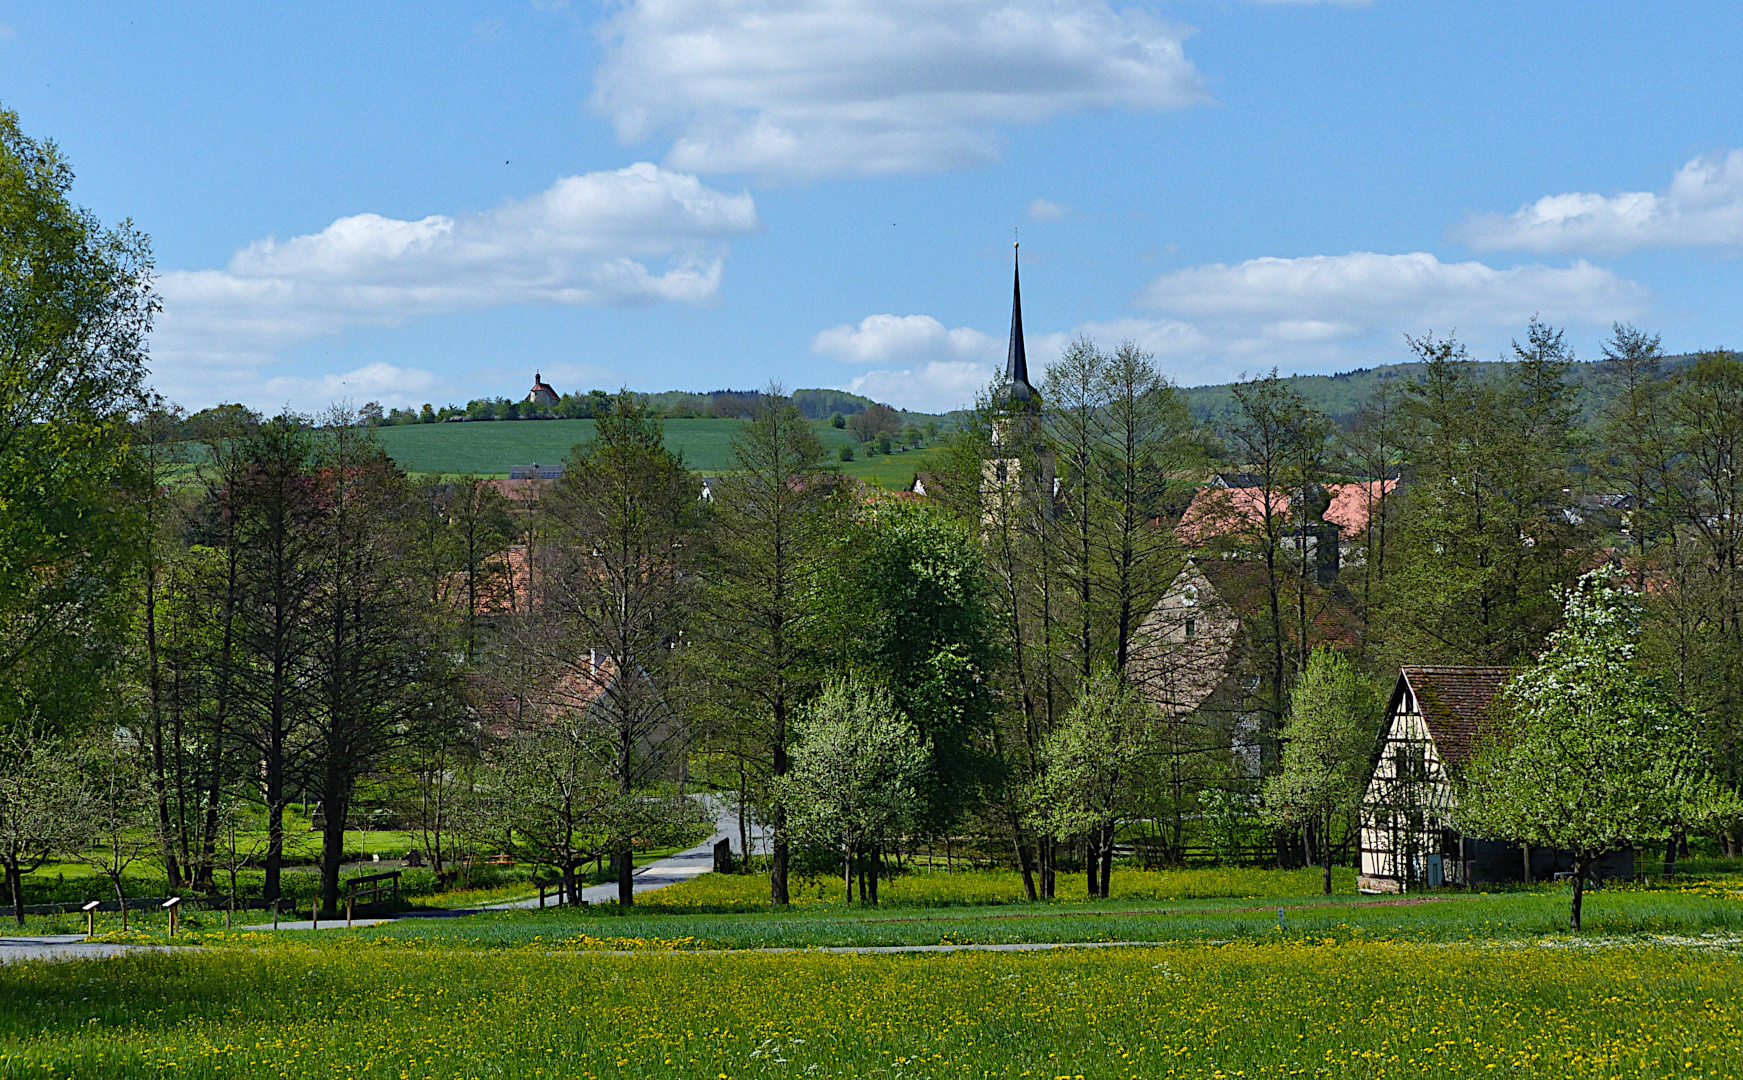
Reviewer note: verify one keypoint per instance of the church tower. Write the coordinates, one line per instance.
(1015, 428)
(1017, 388)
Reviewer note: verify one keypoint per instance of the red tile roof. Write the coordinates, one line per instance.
(1218, 511)
(1352, 504)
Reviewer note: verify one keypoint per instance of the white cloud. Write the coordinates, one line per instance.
(1047, 210)
(810, 88)
(637, 235)
(1703, 207)
(1336, 312)
(897, 339)
(394, 387)
(942, 369)
(939, 386)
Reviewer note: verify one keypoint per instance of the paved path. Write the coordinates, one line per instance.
(671, 870)
(61, 947)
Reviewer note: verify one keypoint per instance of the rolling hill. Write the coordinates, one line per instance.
(490, 448)
(1339, 396)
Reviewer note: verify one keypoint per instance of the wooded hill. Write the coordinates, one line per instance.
(1339, 396)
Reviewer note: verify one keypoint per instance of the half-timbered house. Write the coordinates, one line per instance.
(1410, 836)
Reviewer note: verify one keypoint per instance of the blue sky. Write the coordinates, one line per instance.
(428, 202)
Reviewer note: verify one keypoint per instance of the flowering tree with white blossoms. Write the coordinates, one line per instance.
(1584, 752)
(855, 775)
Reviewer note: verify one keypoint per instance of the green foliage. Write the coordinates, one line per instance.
(77, 308)
(1586, 753)
(547, 796)
(1483, 538)
(817, 404)
(857, 768)
(912, 608)
(1096, 767)
(844, 453)
(1328, 750)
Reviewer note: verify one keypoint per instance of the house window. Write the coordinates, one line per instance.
(999, 472)
(1191, 628)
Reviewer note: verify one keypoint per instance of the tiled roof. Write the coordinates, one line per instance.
(1222, 511)
(1454, 701)
(1240, 583)
(1352, 504)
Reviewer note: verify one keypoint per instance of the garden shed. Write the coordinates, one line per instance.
(1410, 838)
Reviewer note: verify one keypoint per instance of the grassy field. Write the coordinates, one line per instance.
(1247, 1009)
(490, 448)
(1346, 986)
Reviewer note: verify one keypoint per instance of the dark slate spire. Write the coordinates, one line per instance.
(1017, 386)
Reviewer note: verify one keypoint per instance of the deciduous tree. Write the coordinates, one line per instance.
(856, 774)
(774, 525)
(1328, 751)
(1586, 754)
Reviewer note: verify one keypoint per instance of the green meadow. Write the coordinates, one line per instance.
(490, 448)
(1213, 985)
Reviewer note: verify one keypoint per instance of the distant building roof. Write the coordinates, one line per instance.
(535, 471)
(1454, 702)
(1221, 509)
(1352, 504)
(542, 393)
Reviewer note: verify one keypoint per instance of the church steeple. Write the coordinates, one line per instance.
(1017, 386)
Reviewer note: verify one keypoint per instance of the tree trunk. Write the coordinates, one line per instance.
(1325, 847)
(1582, 863)
(1670, 856)
(335, 804)
(1526, 848)
(120, 898)
(847, 871)
(743, 825)
(1025, 860)
(625, 877)
(778, 817)
(271, 890)
(1107, 860)
(15, 888)
(1091, 866)
(570, 893)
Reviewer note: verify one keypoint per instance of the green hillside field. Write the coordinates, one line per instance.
(490, 448)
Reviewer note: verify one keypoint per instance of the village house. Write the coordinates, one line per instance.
(1328, 524)
(1196, 656)
(1410, 836)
